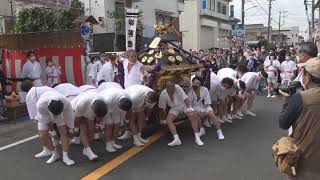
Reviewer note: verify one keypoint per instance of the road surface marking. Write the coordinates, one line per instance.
(18, 142)
(111, 165)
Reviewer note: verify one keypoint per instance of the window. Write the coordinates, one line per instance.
(296, 35)
(219, 7)
(204, 4)
(224, 9)
(213, 5)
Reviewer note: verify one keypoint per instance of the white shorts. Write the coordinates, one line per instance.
(42, 126)
(203, 109)
(272, 79)
(115, 117)
(176, 111)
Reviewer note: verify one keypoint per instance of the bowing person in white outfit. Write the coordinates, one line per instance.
(252, 80)
(89, 108)
(200, 100)
(220, 88)
(119, 103)
(32, 70)
(143, 98)
(49, 107)
(177, 100)
(70, 91)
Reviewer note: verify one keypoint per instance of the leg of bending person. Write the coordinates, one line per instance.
(141, 118)
(251, 98)
(134, 129)
(47, 144)
(108, 131)
(86, 136)
(216, 123)
(63, 130)
(116, 130)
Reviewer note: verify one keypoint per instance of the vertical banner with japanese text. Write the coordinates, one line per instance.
(131, 27)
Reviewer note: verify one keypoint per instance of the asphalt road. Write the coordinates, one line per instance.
(244, 155)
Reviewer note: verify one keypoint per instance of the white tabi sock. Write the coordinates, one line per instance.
(88, 152)
(66, 159)
(198, 140)
(144, 141)
(54, 157)
(44, 153)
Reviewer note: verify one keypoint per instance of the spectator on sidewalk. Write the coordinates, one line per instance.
(32, 69)
(53, 74)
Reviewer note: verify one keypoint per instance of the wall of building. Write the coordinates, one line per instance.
(101, 10)
(293, 34)
(204, 22)
(166, 8)
(5, 8)
(190, 25)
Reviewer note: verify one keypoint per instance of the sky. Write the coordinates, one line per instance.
(296, 15)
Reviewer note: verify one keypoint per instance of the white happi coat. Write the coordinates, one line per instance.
(179, 97)
(68, 90)
(108, 85)
(287, 71)
(82, 104)
(53, 75)
(137, 95)
(135, 76)
(87, 88)
(251, 80)
(227, 72)
(200, 104)
(33, 96)
(106, 73)
(216, 89)
(32, 71)
(112, 96)
(44, 116)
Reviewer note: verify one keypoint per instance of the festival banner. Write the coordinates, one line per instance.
(131, 28)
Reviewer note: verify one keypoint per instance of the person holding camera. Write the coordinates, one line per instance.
(301, 111)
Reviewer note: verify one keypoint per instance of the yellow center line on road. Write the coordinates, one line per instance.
(111, 165)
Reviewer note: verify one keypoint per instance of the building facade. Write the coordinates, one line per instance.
(152, 12)
(158, 11)
(6, 24)
(205, 24)
(256, 31)
(293, 36)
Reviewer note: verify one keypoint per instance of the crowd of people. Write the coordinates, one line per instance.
(116, 97)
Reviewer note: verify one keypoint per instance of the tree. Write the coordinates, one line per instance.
(45, 19)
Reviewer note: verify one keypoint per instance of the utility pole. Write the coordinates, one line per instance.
(243, 14)
(269, 21)
(12, 16)
(90, 11)
(242, 11)
(280, 28)
(312, 19)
